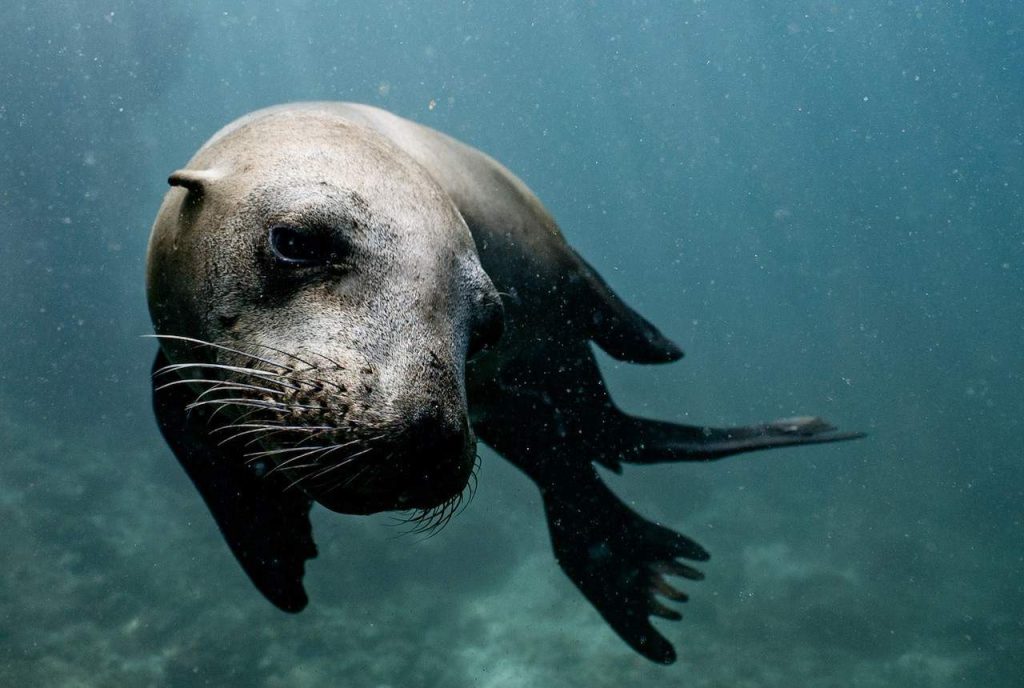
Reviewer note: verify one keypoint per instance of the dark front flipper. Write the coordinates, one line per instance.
(266, 525)
(617, 559)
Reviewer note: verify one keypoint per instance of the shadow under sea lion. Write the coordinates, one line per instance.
(345, 300)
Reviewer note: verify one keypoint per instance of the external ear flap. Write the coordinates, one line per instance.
(196, 181)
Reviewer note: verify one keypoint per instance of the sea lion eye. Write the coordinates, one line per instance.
(300, 246)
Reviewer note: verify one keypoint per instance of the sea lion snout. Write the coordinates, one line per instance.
(418, 462)
(358, 438)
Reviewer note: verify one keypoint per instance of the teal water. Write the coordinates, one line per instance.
(821, 202)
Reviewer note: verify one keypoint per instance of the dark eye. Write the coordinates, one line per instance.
(301, 246)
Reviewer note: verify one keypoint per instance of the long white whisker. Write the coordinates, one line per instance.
(275, 378)
(270, 431)
(287, 449)
(233, 387)
(287, 463)
(328, 359)
(222, 347)
(355, 475)
(334, 466)
(266, 430)
(241, 401)
(336, 447)
(266, 424)
(208, 381)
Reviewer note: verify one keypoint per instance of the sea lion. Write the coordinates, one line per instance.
(345, 300)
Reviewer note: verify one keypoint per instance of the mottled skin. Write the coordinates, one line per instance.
(425, 250)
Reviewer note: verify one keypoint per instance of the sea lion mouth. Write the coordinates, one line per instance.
(379, 474)
(438, 495)
(290, 416)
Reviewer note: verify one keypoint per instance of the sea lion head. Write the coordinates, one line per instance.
(321, 295)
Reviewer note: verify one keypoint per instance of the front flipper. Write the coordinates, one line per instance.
(617, 559)
(266, 525)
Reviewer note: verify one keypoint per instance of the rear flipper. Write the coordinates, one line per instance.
(643, 441)
(617, 559)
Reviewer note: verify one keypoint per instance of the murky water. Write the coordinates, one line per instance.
(821, 202)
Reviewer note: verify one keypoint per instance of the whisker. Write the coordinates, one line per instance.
(443, 517)
(328, 383)
(328, 359)
(245, 370)
(233, 387)
(358, 473)
(285, 450)
(240, 385)
(241, 401)
(202, 342)
(295, 482)
(334, 466)
(298, 467)
(319, 431)
(345, 462)
(274, 424)
(309, 364)
(238, 426)
(467, 494)
(351, 479)
(432, 521)
(368, 440)
(242, 417)
(254, 428)
(269, 376)
(243, 433)
(288, 462)
(312, 435)
(254, 407)
(289, 354)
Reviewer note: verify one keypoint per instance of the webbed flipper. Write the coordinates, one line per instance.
(618, 559)
(266, 525)
(615, 557)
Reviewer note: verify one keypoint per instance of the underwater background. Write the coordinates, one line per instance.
(821, 202)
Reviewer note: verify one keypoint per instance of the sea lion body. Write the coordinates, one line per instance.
(353, 299)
